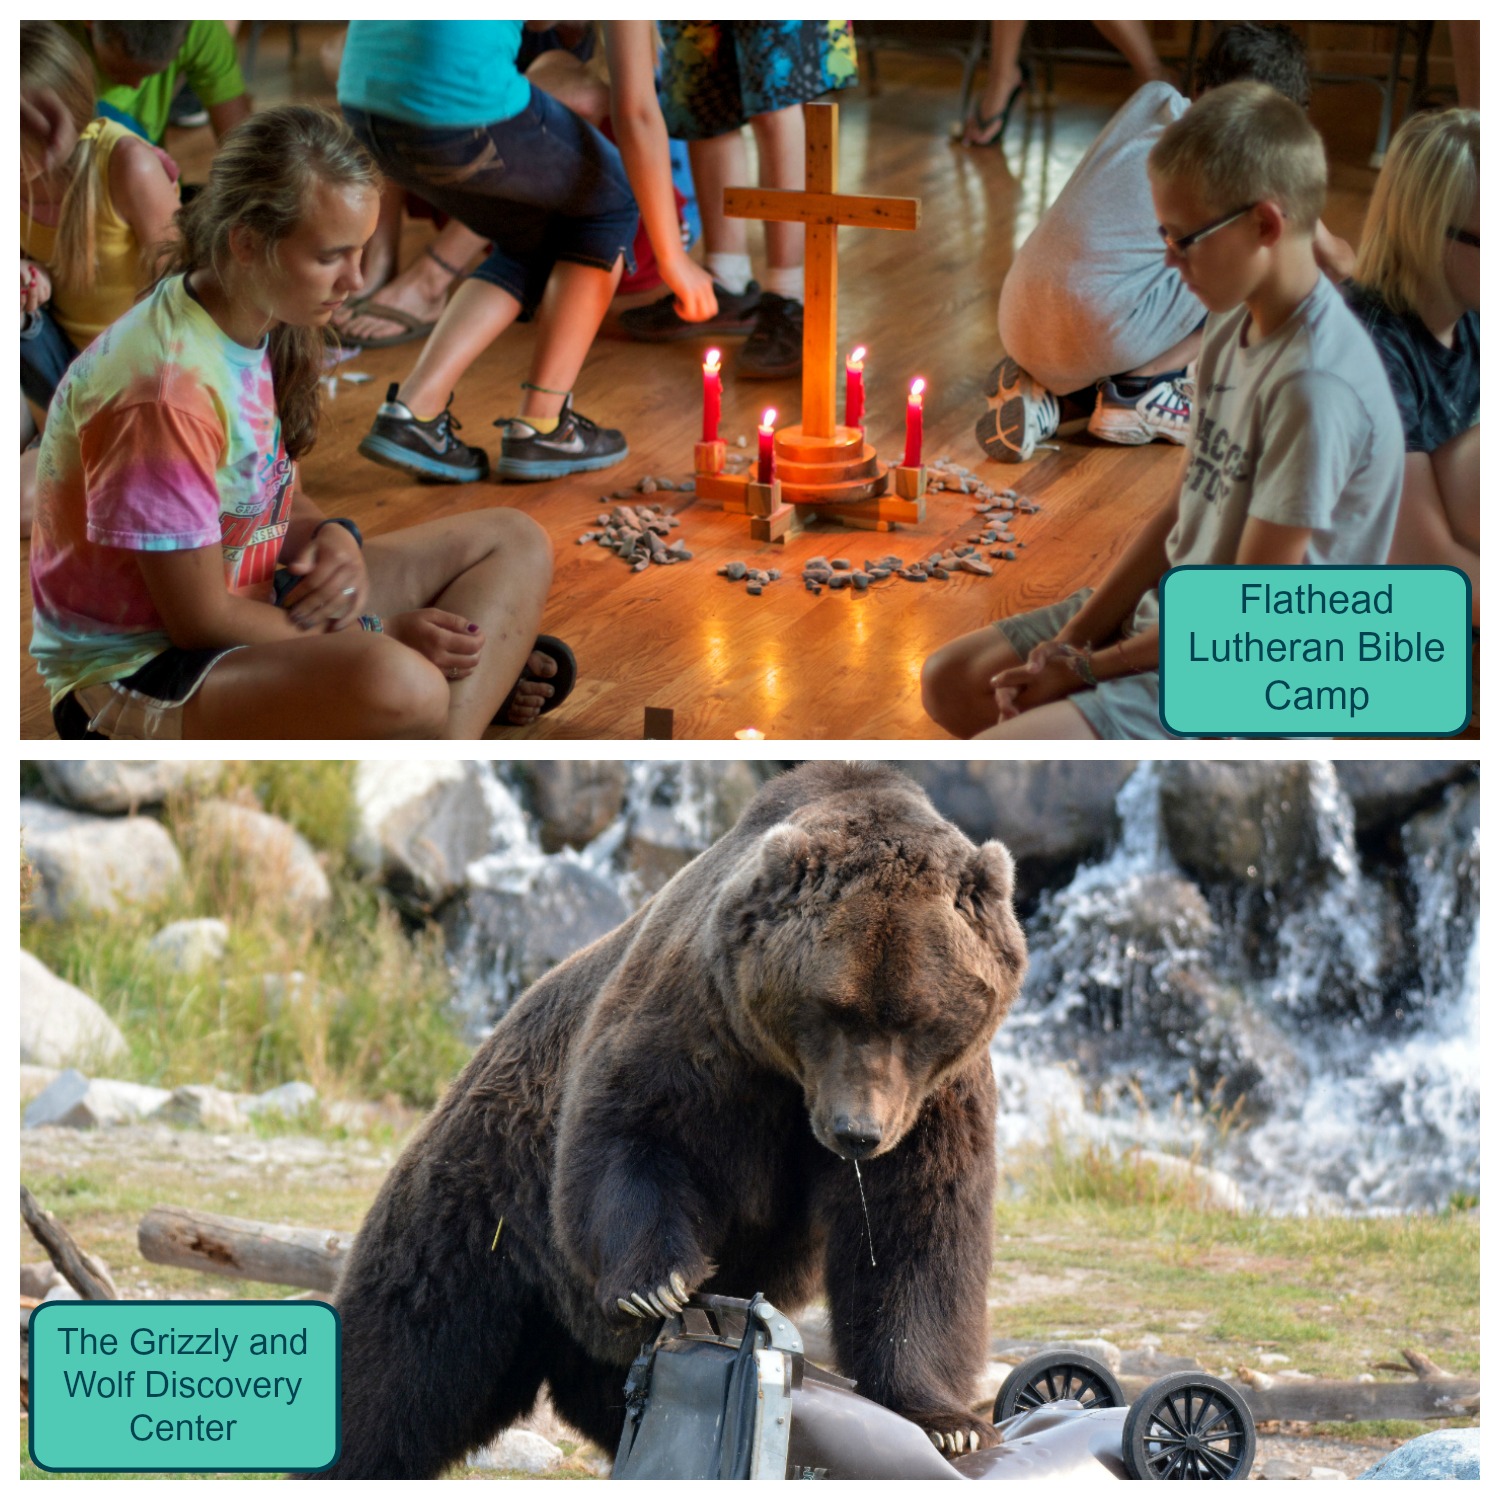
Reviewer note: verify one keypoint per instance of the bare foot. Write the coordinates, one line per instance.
(421, 290)
(528, 696)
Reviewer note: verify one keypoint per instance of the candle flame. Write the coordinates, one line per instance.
(857, 358)
(917, 387)
(768, 420)
(711, 362)
(748, 734)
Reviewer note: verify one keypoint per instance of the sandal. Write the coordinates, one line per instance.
(411, 327)
(561, 682)
(989, 130)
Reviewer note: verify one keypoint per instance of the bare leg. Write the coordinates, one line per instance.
(1433, 527)
(478, 314)
(573, 307)
(570, 82)
(378, 263)
(956, 681)
(1132, 38)
(781, 141)
(1175, 358)
(422, 288)
(494, 568)
(1456, 465)
(719, 163)
(28, 490)
(1003, 78)
(1052, 721)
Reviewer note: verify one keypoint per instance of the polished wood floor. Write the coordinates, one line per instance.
(790, 664)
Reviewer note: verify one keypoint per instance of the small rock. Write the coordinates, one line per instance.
(682, 554)
(775, 573)
(686, 487)
(517, 1449)
(842, 565)
(838, 581)
(190, 944)
(640, 565)
(753, 588)
(973, 565)
(1281, 1468)
(736, 571)
(1319, 1472)
(939, 572)
(648, 486)
(861, 580)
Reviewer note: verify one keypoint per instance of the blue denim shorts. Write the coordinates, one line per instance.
(542, 187)
(46, 353)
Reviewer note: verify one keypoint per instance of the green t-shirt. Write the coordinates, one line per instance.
(206, 63)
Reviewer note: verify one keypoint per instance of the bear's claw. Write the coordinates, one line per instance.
(665, 1302)
(955, 1442)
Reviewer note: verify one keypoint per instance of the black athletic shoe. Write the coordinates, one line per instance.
(427, 450)
(658, 323)
(574, 446)
(774, 349)
(186, 111)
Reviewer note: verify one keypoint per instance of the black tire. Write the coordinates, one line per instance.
(1057, 1375)
(1189, 1426)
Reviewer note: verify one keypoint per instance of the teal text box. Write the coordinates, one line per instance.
(201, 1386)
(1315, 651)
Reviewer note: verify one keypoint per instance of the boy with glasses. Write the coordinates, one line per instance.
(1294, 454)
(1089, 308)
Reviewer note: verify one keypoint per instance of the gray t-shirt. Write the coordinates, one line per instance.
(1090, 294)
(1300, 429)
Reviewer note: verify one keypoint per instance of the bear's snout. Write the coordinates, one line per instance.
(856, 1137)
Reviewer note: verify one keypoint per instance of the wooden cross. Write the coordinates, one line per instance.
(822, 208)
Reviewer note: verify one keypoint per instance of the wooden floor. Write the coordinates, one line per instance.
(790, 664)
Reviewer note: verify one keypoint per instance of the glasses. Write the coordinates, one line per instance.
(1181, 245)
(1463, 236)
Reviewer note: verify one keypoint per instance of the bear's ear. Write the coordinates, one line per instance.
(989, 880)
(786, 853)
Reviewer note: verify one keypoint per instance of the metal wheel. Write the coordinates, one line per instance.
(1189, 1426)
(1057, 1375)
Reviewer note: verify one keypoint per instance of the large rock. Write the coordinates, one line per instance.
(92, 1103)
(677, 810)
(419, 824)
(191, 944)
(518, 1451)
(1232, 822)
(1384, 792)
(287, 1100)
(500, 941)
(1052, 815)
(201, 1106)
(1453, 1454)
(268, 855)
(61, 1027)
(574, 800)
(88, 865)
(115, 786)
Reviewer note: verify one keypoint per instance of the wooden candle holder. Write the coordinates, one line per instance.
(763, 499)
(911, 484)
(708, 458)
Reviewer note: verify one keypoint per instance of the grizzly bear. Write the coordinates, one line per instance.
(684, 1105)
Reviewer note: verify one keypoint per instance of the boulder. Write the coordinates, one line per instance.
(200, 1106)
(1211, 1189)
(517, 1450)
(419, 824)
(500, 941)
(1385, 792)
(1240, 822)
(287, 1100)
(38, 1277)
(60, 1025)
(90, 1103)
(1052, 815)
(1451, 1454)
(297, 990)
(191, 944)
(677, 810)
(265, 853)
(574, 800)
(116, 786)
(88, 865)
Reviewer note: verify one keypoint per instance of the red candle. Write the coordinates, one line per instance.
(854, 389)
(913, 456)
(765, 469)
(713, 389)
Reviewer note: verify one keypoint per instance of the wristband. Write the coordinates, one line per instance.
(372, 623)
(348, 526)
(1082, 664)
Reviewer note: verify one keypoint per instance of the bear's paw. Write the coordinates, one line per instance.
(955, 1432)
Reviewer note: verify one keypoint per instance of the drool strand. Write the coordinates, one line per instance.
(869, 1233)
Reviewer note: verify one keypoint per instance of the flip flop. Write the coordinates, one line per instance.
(561, 683)
(411, 327)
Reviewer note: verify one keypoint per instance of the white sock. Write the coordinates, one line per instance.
(785, 281)
(732, 272)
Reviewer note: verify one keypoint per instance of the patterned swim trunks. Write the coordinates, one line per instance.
(717, 74)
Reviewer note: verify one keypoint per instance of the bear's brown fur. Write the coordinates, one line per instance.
(678, 1106)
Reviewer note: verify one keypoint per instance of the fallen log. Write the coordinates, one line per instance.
(281, 1254)
(86, 1275)
(1344, 1400)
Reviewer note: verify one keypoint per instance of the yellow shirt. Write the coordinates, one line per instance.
(85, 312)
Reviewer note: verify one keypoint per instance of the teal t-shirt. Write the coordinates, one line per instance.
(434, 72)
(206, 62)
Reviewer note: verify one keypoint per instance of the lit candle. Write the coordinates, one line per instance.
(854, 388)
(748, 734)
(765, 470)
(713, 389)
(913, 456)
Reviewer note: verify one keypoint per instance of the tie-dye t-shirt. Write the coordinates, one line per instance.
(163, 436)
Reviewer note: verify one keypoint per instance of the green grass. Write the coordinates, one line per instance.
(371, 1020)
